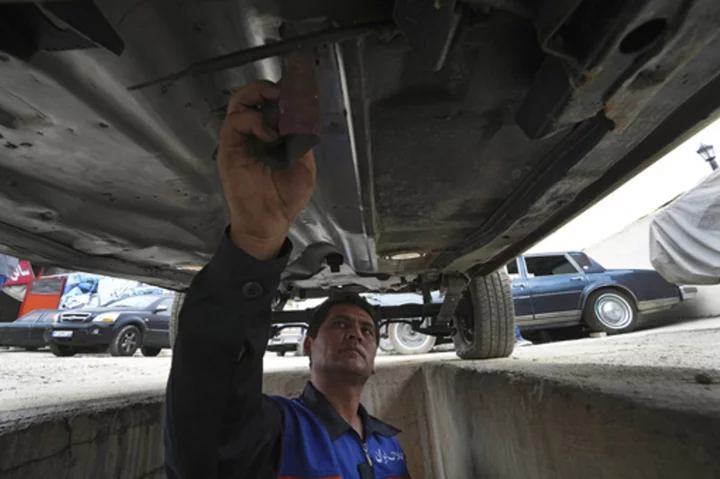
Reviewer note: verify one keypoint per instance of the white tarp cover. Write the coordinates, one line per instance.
(685, 236)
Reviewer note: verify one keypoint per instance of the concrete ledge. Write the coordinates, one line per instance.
(538, 423)
(509, 419)
(118, 439)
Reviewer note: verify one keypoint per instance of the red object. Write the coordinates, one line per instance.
(22, 274)
(43, 293)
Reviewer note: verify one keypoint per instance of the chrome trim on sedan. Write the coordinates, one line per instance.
(657, 304)
(572, 314)
(550, 318)
(559, 293)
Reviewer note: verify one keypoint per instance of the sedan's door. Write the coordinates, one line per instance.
(157, 322)
(17, 333)
(556, 285)
(520, 292)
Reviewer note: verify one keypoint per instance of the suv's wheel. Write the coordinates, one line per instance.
(610, 311)
(485, 319)
(126, 341)
(150, 352)
(407, 341)
(62, 351)
(175, 316)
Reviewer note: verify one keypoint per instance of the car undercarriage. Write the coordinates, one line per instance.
(455, 134)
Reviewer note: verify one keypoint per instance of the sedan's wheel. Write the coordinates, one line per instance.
(150, 352)
(62, 351)
(610, 311)
(125, 342)
(280, 353)
(177, 304)
(407, 341)
(485, 319)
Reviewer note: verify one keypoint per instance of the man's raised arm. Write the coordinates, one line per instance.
(218, 423)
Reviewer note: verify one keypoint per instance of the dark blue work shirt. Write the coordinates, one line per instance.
(319, 443)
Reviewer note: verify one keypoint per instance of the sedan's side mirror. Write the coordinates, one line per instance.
(161, 308)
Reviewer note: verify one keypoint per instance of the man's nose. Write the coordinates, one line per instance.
(355, 332)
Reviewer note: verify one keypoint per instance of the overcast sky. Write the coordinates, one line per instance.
(675, 173)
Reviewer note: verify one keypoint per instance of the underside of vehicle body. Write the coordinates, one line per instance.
(455, 134)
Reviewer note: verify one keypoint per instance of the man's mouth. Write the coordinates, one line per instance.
(354, 350)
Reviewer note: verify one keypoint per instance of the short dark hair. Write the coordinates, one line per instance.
(320, 314)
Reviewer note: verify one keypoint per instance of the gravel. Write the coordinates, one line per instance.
(31, 380)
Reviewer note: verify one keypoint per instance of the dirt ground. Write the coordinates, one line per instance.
(31, 380)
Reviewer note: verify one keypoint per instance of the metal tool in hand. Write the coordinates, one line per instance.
(296, 116)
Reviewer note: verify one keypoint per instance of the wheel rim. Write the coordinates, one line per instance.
(128, 341)
(410, 339)
(613, 311)
(465, 327)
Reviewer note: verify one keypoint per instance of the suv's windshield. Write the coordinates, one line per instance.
(136, 302)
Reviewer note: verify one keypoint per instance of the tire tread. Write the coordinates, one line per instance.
(493, 318)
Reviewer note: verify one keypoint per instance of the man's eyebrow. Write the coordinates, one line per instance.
(363, 321)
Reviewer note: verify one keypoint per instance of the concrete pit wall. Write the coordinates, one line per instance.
(496, 419)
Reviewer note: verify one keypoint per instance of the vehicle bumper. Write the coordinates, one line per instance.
(82, 335)
(284, 343)
(688, 292)
(281, 347)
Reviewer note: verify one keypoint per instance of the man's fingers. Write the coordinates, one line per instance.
(252, 95)
(249, 122)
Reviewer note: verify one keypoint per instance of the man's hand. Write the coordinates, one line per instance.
(263, 202)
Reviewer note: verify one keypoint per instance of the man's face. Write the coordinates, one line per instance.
(345, 343)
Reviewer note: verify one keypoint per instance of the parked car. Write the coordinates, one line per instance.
(289, 338)
(121, 327)
(29, 330)
(566, 289)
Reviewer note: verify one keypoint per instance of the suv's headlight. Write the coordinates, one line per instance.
(106, 318)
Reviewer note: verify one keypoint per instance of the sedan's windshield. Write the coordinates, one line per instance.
(135, 302)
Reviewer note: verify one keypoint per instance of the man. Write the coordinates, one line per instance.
(218, 422)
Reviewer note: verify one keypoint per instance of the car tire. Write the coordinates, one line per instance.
(280, 353)
(126, 341)
(62, 351)
(177, 305)
(485, 319)
(406, 341)
(610, 311)
(150, 352)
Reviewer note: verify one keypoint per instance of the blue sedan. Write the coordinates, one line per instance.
(567, 289)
